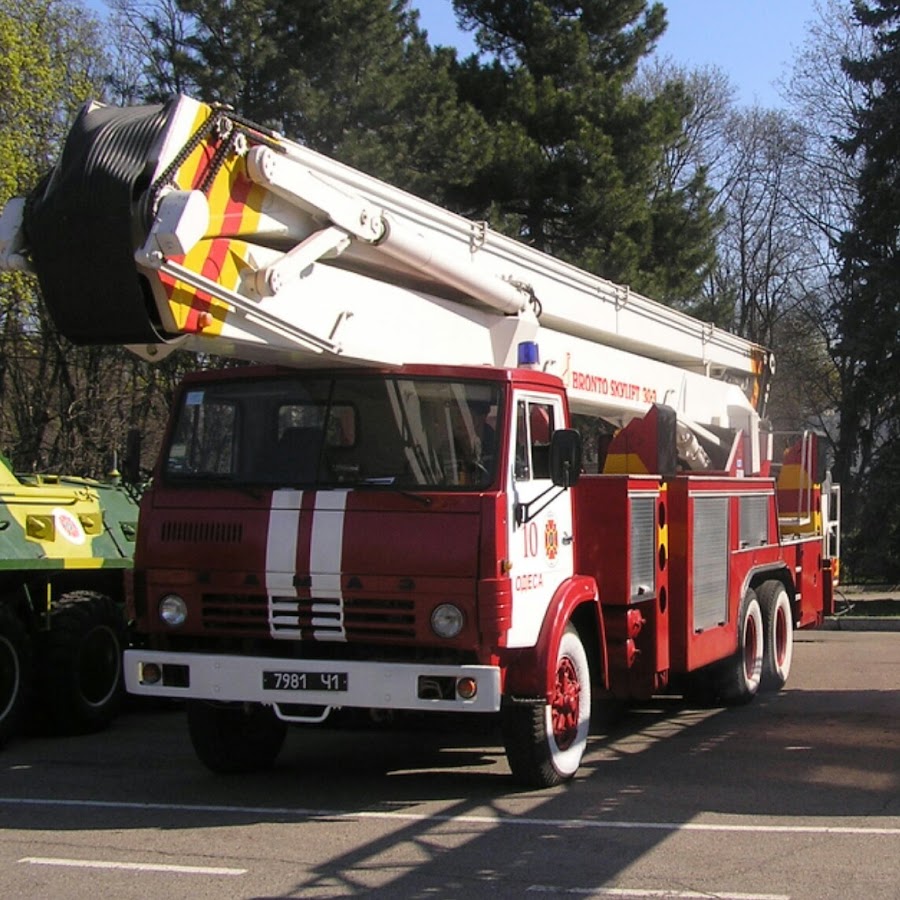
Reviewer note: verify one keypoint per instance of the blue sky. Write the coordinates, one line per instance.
(751, 40)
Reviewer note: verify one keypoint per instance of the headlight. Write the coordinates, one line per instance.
(173, 610)
(447, 620)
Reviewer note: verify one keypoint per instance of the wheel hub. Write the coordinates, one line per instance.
(565, 704)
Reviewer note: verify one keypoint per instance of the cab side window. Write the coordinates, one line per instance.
(535, 423)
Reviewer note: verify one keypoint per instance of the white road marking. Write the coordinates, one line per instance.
(506, 820)
(129, 866)
(649, 894)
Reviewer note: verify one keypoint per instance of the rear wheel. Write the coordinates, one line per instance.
(545, 742)
(739, 676)
(778, 630)
(15, 672)
(234, 738)
(79, 663)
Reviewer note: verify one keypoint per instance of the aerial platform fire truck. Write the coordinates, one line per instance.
(457, 475)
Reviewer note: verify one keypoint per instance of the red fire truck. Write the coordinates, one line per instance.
(459, 475)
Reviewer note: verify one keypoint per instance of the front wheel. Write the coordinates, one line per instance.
(545, 742)
(235, 738)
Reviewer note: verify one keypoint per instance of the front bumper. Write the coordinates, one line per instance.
(367, 685)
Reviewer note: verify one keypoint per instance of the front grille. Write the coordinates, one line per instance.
(202, 532)
(354, 619)
(235, 612)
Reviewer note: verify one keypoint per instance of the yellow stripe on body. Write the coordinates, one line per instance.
(624, 464)
(84, 563)
(231, 218)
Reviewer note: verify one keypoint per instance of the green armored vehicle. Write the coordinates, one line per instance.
(65, 553)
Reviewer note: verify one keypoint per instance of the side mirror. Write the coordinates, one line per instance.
(565, 457)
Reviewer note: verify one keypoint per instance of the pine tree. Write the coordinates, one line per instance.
(574, 152)
(355, 79)
(869, 316)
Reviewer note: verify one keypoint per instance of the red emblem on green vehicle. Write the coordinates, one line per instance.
(68, 526)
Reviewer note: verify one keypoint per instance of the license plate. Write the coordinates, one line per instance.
(304, 681)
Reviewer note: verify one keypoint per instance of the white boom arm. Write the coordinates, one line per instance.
(253, 246)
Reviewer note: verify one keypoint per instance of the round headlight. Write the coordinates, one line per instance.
(447, 620)
(173, 610)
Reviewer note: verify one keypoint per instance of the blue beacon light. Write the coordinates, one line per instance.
(528, 355)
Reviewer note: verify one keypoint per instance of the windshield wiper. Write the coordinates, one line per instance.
(419, 498)
(387, 482)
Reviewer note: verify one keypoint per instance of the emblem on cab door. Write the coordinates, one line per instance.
(551, 540)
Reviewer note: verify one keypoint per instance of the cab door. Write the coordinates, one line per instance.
(541, 539)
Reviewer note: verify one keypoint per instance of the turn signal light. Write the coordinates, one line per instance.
(467, 688)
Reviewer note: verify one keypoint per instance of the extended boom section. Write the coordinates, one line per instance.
(215, 235)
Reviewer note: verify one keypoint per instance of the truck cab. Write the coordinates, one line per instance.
(365, 538)
(322, 506)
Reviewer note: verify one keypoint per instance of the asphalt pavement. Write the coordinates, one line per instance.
(795, 796)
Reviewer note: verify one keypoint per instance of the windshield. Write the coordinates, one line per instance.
(347, 431)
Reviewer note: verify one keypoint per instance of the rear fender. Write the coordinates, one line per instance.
(531, 671)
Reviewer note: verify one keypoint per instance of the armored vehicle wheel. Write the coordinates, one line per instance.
(15, 672)
(234, 738)
(79, 664)
(545, 742)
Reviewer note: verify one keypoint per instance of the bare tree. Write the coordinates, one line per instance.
(701, 144)
(762, 259)
(782, 196)
(151, 40)
(827, 103)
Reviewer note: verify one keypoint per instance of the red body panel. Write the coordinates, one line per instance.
(797, 563)
(636, 618)
(649, 638)
(394, 549)
(383, 532)
(532, 671)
